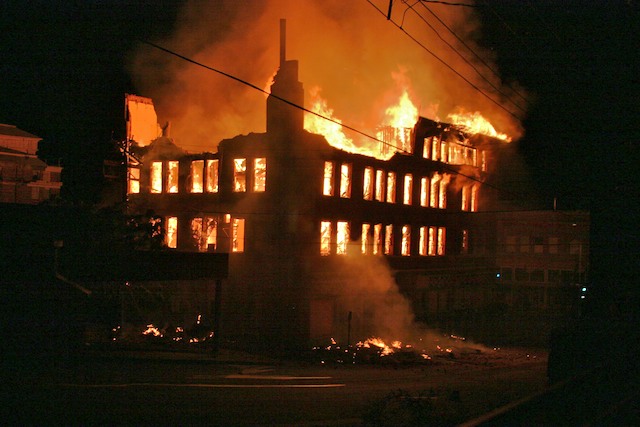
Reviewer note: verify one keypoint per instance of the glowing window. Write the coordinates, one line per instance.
(171, 236)
(483, 156)
(388, 240)
(554, 243)
(367, 184)
(464, 205)
(345, 180)
(156, 177)
(377, 239)
(204, 233)
(424, 191)
(426, 149)
(391, 187)
(407, 195)
(237, 235)
(435, 148)
(172, 177)
(325, 238)
(380, 185)
(212, 176)
(444, 152)
(342, 238)
(433, 191)
(327, 183)
(260, 174)
(239, 175)
(432, 244)
(441, 240)
(422, 244)
(405, 250)
(134, 181)
(442, 191)
(197, 176)
(473, 206)
(366, 239)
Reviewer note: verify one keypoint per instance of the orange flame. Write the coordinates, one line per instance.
(404, 114)
(475, 123)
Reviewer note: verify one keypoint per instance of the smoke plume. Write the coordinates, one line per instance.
(348, 49)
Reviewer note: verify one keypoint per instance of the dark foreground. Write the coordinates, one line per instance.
(168, 388)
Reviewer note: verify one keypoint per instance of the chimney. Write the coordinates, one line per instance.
(283, 41)
(287, 94)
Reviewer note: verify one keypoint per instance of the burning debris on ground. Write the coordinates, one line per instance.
(169, 337)
(449, 349)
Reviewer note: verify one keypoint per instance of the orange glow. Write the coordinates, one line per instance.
(385, 348)
(475, 123)
(331, 130)
(152, 330)
(404, 114)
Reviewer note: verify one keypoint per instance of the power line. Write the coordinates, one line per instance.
(286, 101)
(487, 65)
(251, 85)
(443, 62)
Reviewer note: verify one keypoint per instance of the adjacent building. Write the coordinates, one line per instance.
(24, 178)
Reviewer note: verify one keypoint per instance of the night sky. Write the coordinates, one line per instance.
(64, 75)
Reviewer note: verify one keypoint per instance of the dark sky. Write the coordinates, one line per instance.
(63, 78)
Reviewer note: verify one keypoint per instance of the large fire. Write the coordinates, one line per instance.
(476, 124)
(395, 133)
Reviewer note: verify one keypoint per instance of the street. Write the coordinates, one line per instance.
(143, 391)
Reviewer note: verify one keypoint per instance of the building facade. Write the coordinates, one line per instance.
(24, 178)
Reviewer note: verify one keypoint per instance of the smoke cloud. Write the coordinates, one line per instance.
(347, 49)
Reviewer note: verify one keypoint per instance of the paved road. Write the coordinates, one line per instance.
(178, 392)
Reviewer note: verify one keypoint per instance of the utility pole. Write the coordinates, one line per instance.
(389, 12)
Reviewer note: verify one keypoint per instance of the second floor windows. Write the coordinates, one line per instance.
(345, 180)
(239, 175)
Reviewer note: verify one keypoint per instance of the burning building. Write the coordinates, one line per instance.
(318, 234)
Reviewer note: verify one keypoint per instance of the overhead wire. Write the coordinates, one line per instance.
(447, 65)
(473, 67)
(253, 86)
(286, 101)
(478, 57)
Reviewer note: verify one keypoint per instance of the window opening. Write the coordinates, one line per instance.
(197, 176)
(156, 177)
(237, 244)
(172, 177)
(424, 191)
(342, 237)
(134, 181)
(345, 180)
(367, 185)
(171, 236)
(408, 189)
(212, 176)
(380, 185)
(259, 174)
(422, 244)
(239, 175)
(391, 187)
(327, 183)
(388, 240)
(325, 238)
(377, 239)
(406, 241)
(366, 239)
